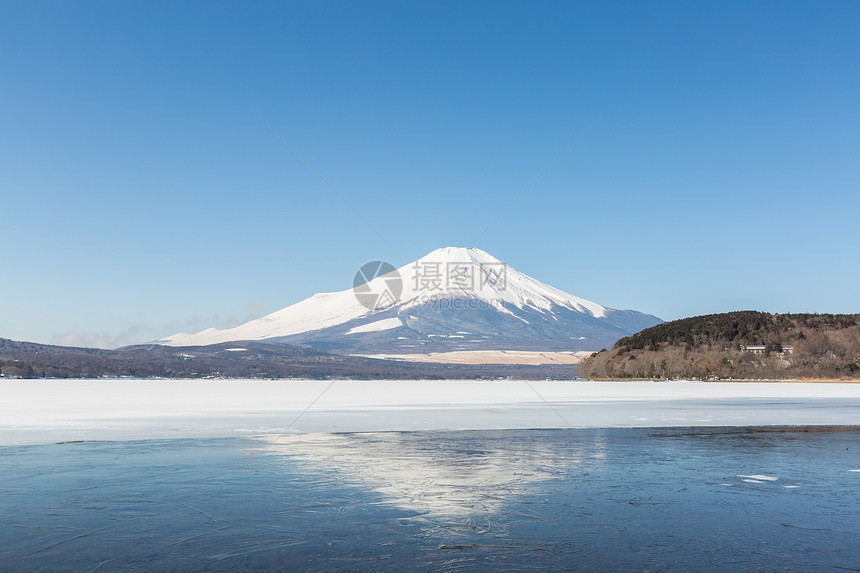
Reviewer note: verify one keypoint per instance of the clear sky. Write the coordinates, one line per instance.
(143, 195)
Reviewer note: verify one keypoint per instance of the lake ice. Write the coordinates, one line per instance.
(506, 475)
(48, 411)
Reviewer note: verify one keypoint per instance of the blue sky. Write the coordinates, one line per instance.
(142, 194)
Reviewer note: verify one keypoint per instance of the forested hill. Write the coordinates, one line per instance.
(714, 347)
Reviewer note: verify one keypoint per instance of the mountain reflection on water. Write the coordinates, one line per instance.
(440, 475)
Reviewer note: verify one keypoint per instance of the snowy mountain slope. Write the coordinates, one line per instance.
(453, 298)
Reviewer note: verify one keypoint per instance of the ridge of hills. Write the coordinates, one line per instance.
(249, 359)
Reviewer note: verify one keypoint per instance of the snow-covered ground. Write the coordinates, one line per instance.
(45, 411)
(489, 357)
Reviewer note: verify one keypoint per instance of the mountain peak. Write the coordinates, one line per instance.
(459, 255)
(467, 271)
(461, 293)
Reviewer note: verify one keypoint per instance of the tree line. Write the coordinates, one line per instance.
(712, 347)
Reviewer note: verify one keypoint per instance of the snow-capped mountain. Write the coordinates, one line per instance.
(451, 299)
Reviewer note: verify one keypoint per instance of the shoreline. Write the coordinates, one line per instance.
(582, 379)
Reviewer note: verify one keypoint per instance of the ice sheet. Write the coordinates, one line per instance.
(46, 411)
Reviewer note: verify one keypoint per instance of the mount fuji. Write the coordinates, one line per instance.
(453, 299)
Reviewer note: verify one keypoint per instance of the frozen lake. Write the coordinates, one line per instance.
(50, 411)
(678, 499)
(150, 475)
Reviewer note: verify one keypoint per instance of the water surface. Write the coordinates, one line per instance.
(624, 499)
